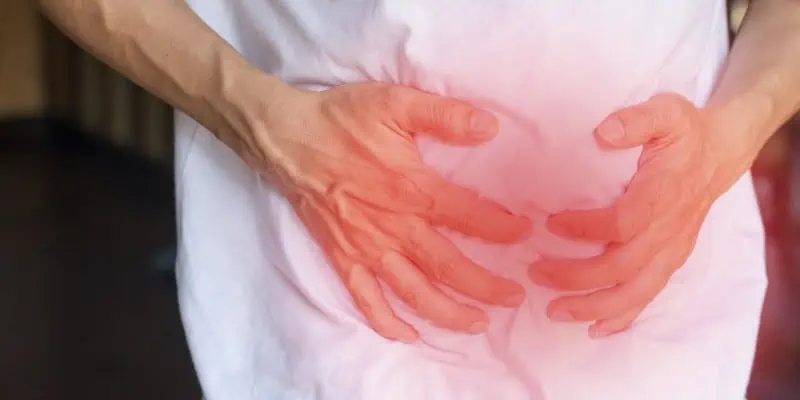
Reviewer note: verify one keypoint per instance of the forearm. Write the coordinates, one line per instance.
(759, 89)
(167, 49)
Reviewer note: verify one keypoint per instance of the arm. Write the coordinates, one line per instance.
(759, 89)
(392, 200)
(167, 49)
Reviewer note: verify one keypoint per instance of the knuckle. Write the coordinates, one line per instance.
(437, 114)
(622, 228)
(388, 98)
(443, 269)
(443, 272)
(449, 317)
(365, 306)
(447, 115)
(414, 234)
(619, 268)
(409, 297)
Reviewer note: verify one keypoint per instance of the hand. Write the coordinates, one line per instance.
(689, 158)
(347, 161)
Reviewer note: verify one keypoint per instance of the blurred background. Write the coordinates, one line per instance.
(87, 299)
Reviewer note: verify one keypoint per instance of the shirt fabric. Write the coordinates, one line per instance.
(267, 318)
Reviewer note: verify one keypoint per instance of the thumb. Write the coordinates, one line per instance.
(654, 119)
(628, 128)
(451, 121)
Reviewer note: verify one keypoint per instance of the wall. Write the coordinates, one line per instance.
(21, 86)
(85, 93)
(42, 73)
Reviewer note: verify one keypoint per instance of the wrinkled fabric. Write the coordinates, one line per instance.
(266, 316)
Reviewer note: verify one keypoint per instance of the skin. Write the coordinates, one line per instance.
(373, 211)
(690, 157)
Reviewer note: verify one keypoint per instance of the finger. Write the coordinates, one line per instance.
(395, 193)
(615, 325)
(660, 117)
(631, 214)
(369, 299)
(414, 289)
(616, 300)
(443, 262)
(358, 280)
(449, 120)
(369, 183)
(463, 210)
(604, 224)
(364, 289)
(617, 264)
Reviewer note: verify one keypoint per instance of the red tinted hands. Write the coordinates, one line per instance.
(347, 161)
(652, 228)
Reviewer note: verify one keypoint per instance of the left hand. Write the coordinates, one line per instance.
(689, 158)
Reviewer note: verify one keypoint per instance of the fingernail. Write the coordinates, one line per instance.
(562, 316)
(611, 129)
(514, 300)
(482, 124)
(478, 327)
(540, 278)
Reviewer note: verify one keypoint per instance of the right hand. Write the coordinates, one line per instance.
(347, 161)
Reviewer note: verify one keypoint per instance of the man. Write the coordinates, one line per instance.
(475, 181)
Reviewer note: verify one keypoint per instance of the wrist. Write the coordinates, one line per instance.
(246, 96)
(736, 135)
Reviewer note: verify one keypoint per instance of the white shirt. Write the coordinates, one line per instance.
(267, 318)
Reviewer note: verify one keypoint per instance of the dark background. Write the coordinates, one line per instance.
(87, 300)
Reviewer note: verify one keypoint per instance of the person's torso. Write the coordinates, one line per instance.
(550, 70)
